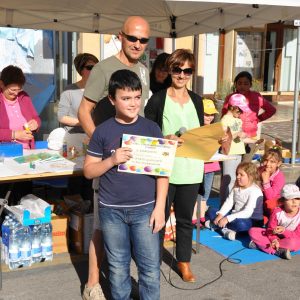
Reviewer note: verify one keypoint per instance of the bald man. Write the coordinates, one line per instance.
(134, 38)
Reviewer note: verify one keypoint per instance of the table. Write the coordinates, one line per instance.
(11, 171)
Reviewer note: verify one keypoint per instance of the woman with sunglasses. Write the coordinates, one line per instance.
(175, 110)
(71, 97)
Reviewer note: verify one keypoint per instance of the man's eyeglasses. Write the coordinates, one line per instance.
(134, 39)
(89, 67)
(186, 72)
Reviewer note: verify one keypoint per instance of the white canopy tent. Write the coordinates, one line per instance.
(167, 18)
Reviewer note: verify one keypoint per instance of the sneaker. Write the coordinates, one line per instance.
(210, 225)
(228, 234)
(283, 253)
(93, 293)
(252, 245)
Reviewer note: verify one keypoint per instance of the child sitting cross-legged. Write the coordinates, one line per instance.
(243, 207)
(283, 232)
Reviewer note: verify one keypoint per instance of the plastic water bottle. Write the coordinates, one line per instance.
(47, 253)
(7, 234)
(13, 249)
(36, 248)
(4, 231)
(25, 247)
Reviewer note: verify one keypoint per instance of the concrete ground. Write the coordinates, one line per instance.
(217, 278)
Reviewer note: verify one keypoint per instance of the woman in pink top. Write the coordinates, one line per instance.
(283, 232)
(243, 83)
(18, 117)
(18, 121)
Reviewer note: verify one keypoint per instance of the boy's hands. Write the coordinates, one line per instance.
(157, 220)
(121, 155)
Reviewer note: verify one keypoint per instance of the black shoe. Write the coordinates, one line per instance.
(283, 253)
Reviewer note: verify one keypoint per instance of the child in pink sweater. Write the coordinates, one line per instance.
(256, 102)
(272, 179)
(283, 232)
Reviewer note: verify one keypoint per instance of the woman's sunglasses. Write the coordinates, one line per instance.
(186, 72)
(89, 67)
(134, 39)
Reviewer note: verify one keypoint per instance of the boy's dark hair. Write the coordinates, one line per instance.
(81, 59)
(123, 79)
(243, 74)
(12, 75)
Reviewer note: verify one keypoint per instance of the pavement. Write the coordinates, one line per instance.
(217, 278)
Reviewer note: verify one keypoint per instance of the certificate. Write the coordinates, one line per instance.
(151, 156)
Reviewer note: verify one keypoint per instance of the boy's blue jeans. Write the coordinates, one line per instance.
(237, 225)
(123, 230)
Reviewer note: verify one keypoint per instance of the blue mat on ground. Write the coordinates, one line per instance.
(226, 248)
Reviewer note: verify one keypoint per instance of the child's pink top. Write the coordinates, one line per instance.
(280, 218)
(211, 167)
(272, 189)
(250, 119)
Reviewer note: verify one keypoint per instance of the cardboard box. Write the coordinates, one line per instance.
(60, 233)
(80, 231)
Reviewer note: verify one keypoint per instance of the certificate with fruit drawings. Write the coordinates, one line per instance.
(151, 156)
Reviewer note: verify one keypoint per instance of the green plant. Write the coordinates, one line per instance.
(225, 87)
(257, 85)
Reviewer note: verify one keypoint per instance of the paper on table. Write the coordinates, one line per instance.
(202, 142)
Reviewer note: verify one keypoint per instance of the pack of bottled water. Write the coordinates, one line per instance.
(24, 245)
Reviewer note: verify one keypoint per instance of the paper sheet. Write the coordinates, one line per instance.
(201, 143)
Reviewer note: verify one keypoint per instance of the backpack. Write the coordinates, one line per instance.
(103, 111)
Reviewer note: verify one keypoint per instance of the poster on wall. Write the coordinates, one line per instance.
(248, 50)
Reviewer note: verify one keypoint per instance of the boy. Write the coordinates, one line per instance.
(131, 206)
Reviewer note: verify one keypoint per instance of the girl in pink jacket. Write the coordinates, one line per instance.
(283, 232)
(243, 83)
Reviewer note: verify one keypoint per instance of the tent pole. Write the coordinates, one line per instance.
(196, 54)
(296, 95)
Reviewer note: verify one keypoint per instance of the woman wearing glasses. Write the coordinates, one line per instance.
(176, 110)
(71, 97)
(18, 122)
(18, 117)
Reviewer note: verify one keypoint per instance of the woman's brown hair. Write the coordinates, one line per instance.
(179, 57)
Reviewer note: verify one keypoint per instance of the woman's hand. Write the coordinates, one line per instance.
(24, 135)
(32, 125)
(175, 138)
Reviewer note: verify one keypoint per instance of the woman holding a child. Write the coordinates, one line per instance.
(175, 110)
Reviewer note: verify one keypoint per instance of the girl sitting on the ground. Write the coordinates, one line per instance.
(243, 207)
(283, 232)
(272, 179)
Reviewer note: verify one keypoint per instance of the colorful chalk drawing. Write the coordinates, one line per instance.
(151, 156)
